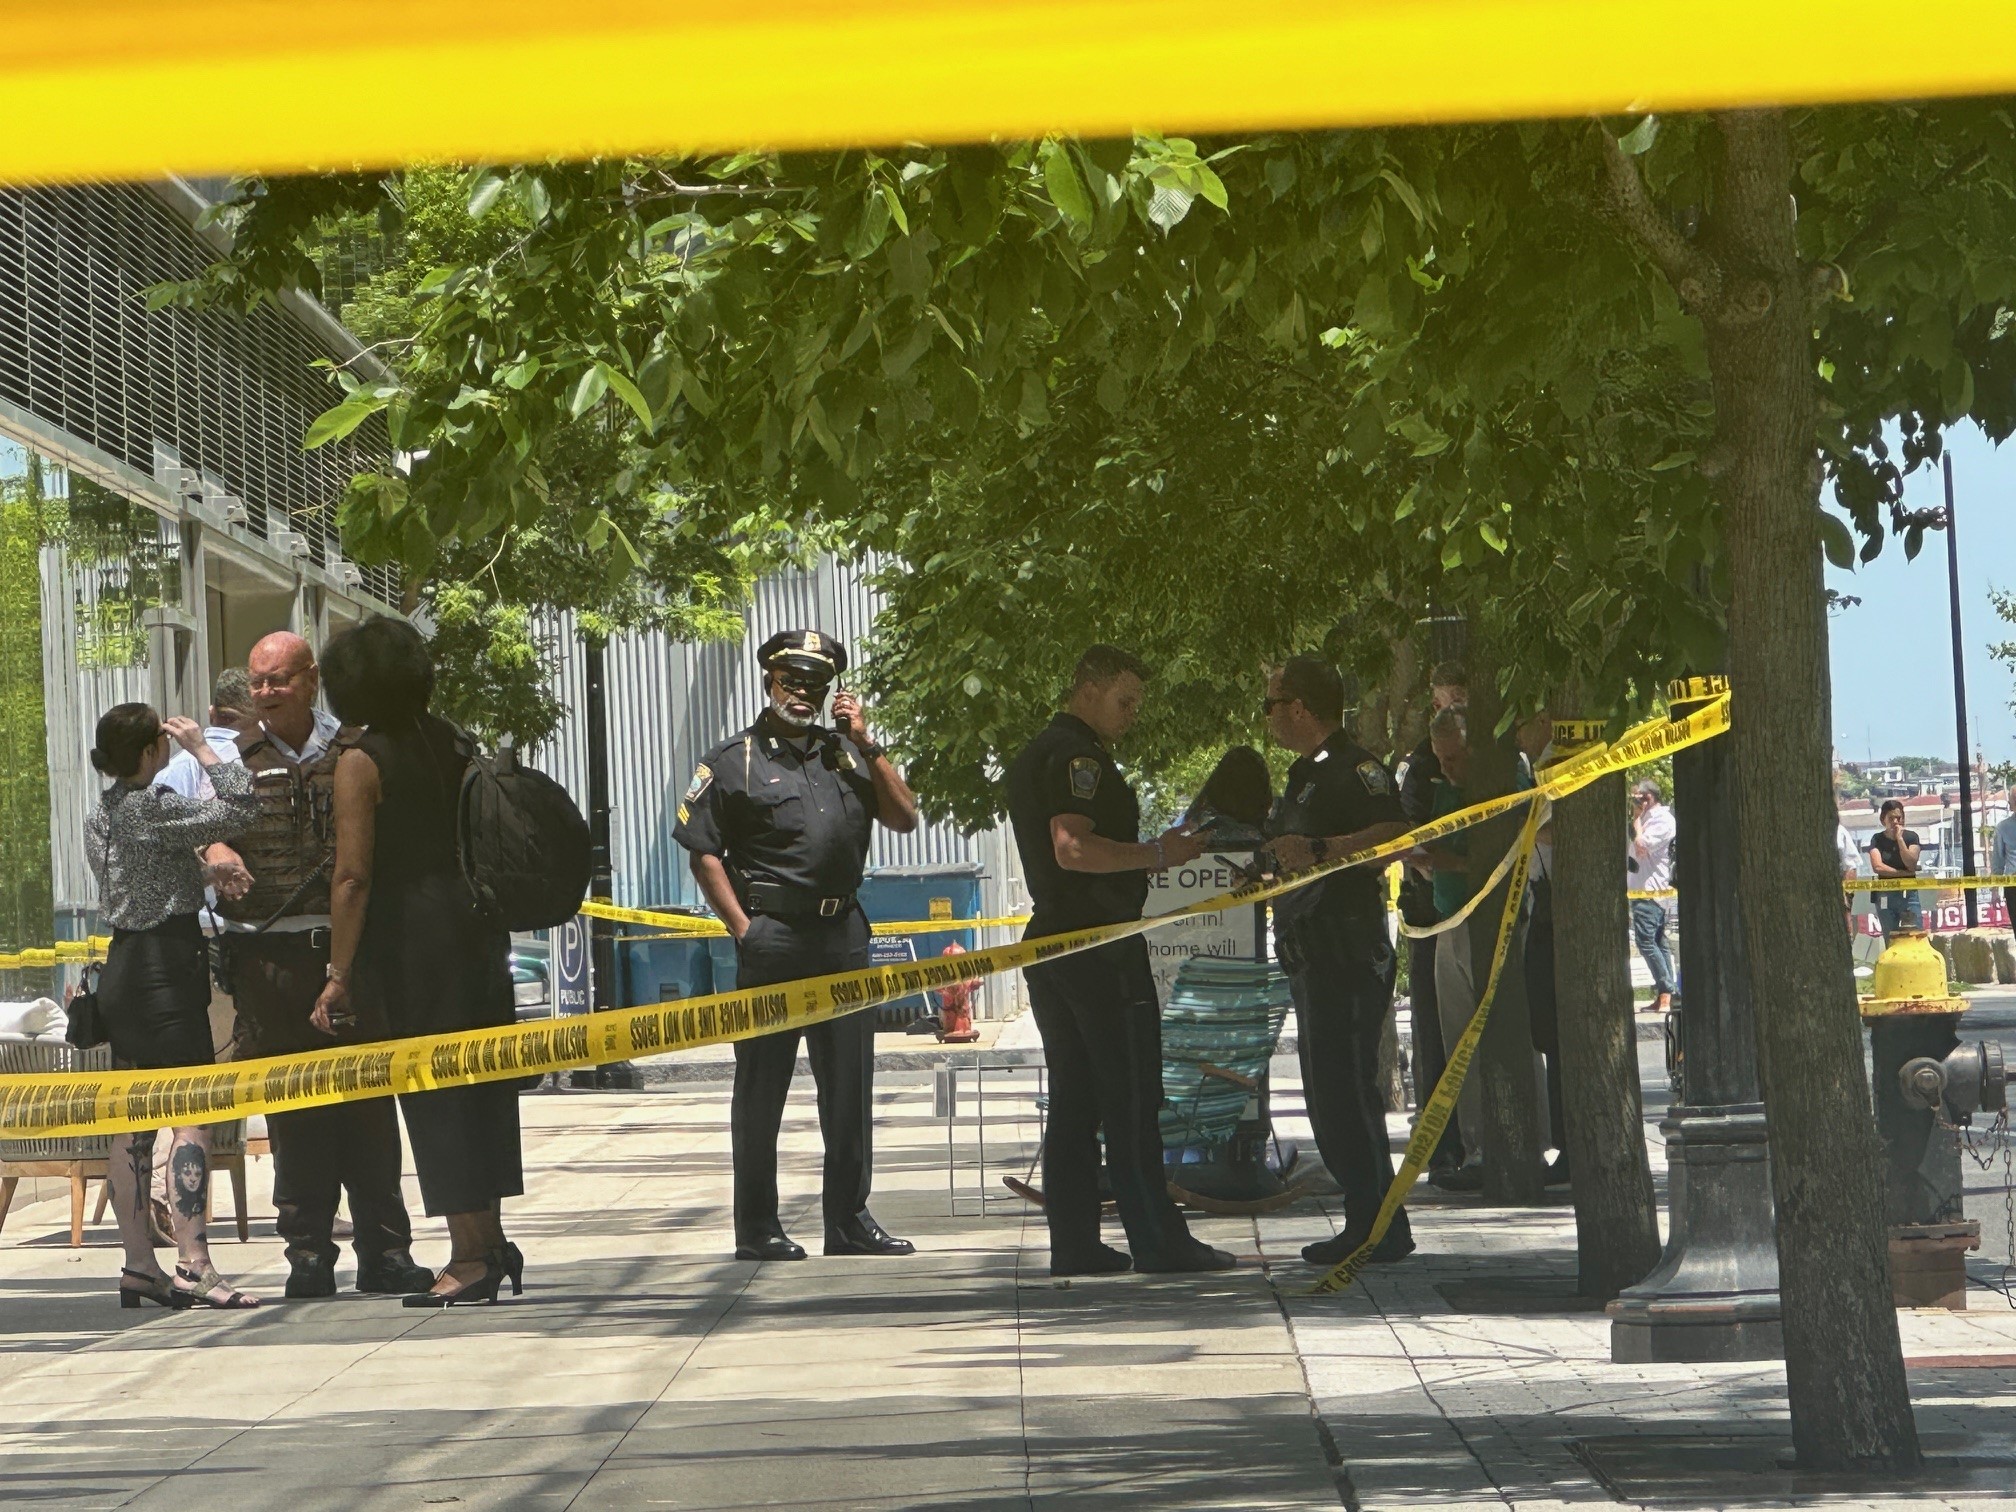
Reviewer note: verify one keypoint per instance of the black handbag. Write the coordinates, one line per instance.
(86, 1029)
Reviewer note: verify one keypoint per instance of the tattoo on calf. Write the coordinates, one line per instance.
(188, 1175)
(140, 1157)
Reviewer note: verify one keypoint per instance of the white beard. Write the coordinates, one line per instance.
(780, 707)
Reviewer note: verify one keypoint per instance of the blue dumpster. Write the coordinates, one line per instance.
(891, 893)
(663, 969)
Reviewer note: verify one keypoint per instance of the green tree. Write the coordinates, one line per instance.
(1529, 346)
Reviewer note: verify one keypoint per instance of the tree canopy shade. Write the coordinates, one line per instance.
(243, 85)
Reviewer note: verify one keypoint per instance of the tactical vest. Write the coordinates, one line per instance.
(290, 848)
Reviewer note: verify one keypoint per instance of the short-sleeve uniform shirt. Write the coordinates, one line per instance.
(1337, 789)
(1066, 770)
(791, 809)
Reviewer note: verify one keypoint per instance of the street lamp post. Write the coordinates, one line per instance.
(1960, 700)
(1714, 1294)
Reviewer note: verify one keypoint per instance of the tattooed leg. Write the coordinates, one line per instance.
(189, 1196)
(129, 1167)
(189, 1185)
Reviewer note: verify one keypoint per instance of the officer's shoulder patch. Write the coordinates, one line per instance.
(1084, 776)
(1374, 777)
(702, 775)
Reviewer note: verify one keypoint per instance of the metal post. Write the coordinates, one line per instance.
(1960, 700)
(602, 877)
(1714, 1294)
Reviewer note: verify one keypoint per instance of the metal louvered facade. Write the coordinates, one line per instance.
(225, 395)
(670, 703)
(160, 451)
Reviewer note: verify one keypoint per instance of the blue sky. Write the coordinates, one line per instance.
(1892, 654)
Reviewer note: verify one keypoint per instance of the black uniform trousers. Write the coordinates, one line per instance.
(317, 1152)
(1101, 1026)
(842, 1052)
(1340, 968)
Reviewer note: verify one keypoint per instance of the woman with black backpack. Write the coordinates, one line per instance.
(407, 936)
(141, 843)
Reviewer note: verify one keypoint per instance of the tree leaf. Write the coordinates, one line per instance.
(629, 393)
(1638, 140)
(591, 386)
(1406, 194)
(1837, 540)
(896, 211)
(335, 424)
(1066, 189)
(1167, 206)
(483, 194)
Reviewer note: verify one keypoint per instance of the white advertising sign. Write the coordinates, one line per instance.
(1226, 932)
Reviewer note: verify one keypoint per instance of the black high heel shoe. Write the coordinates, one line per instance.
(511, 1261)
(156, 1289)
(483, 1289)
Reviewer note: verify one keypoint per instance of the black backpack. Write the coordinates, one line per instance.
(525, 848)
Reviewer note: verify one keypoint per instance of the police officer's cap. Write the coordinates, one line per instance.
(811, 652)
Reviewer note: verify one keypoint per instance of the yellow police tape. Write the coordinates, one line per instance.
(700, 926)
(64, 951)
(1462, 915)
(104, 1102)
(1924, 884)
(1435, 1111)
(675, 926)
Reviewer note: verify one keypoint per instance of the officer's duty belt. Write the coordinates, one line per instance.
(781, 902)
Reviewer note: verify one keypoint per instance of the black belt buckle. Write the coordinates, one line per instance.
(319, 938)
(829, 908)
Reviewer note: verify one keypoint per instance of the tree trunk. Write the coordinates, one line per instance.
(1844, 1366)
(1616, 1209)
(1514, 1125)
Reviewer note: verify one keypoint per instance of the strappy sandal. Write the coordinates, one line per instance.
(156, 1289)
(198, 1292)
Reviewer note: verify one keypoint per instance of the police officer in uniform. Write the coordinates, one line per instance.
(776, 824)
(1077, 826)
(1333, 941)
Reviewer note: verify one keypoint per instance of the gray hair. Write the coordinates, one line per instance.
(1450, 722)
(232, 692)
(1647, 785)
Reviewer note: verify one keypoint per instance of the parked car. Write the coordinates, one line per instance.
(531, 986)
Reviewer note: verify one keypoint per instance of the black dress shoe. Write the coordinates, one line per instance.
(1398, 1244)
(1198, 1257)
(1103, 1261)
(862, 1235)
(315, 1276)
(769, 1247)
(393, 1274)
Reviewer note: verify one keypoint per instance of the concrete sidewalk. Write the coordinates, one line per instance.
(643, 1367)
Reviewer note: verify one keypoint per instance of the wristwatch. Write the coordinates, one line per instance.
(874, 750)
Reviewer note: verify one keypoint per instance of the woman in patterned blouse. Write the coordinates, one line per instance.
(142, 842)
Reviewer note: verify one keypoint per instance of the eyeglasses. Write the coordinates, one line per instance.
(814, 689)
(278, 682)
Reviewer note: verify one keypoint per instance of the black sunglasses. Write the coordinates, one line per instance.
(799, 682)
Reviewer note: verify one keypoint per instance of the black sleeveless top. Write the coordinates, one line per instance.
(435, 962)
